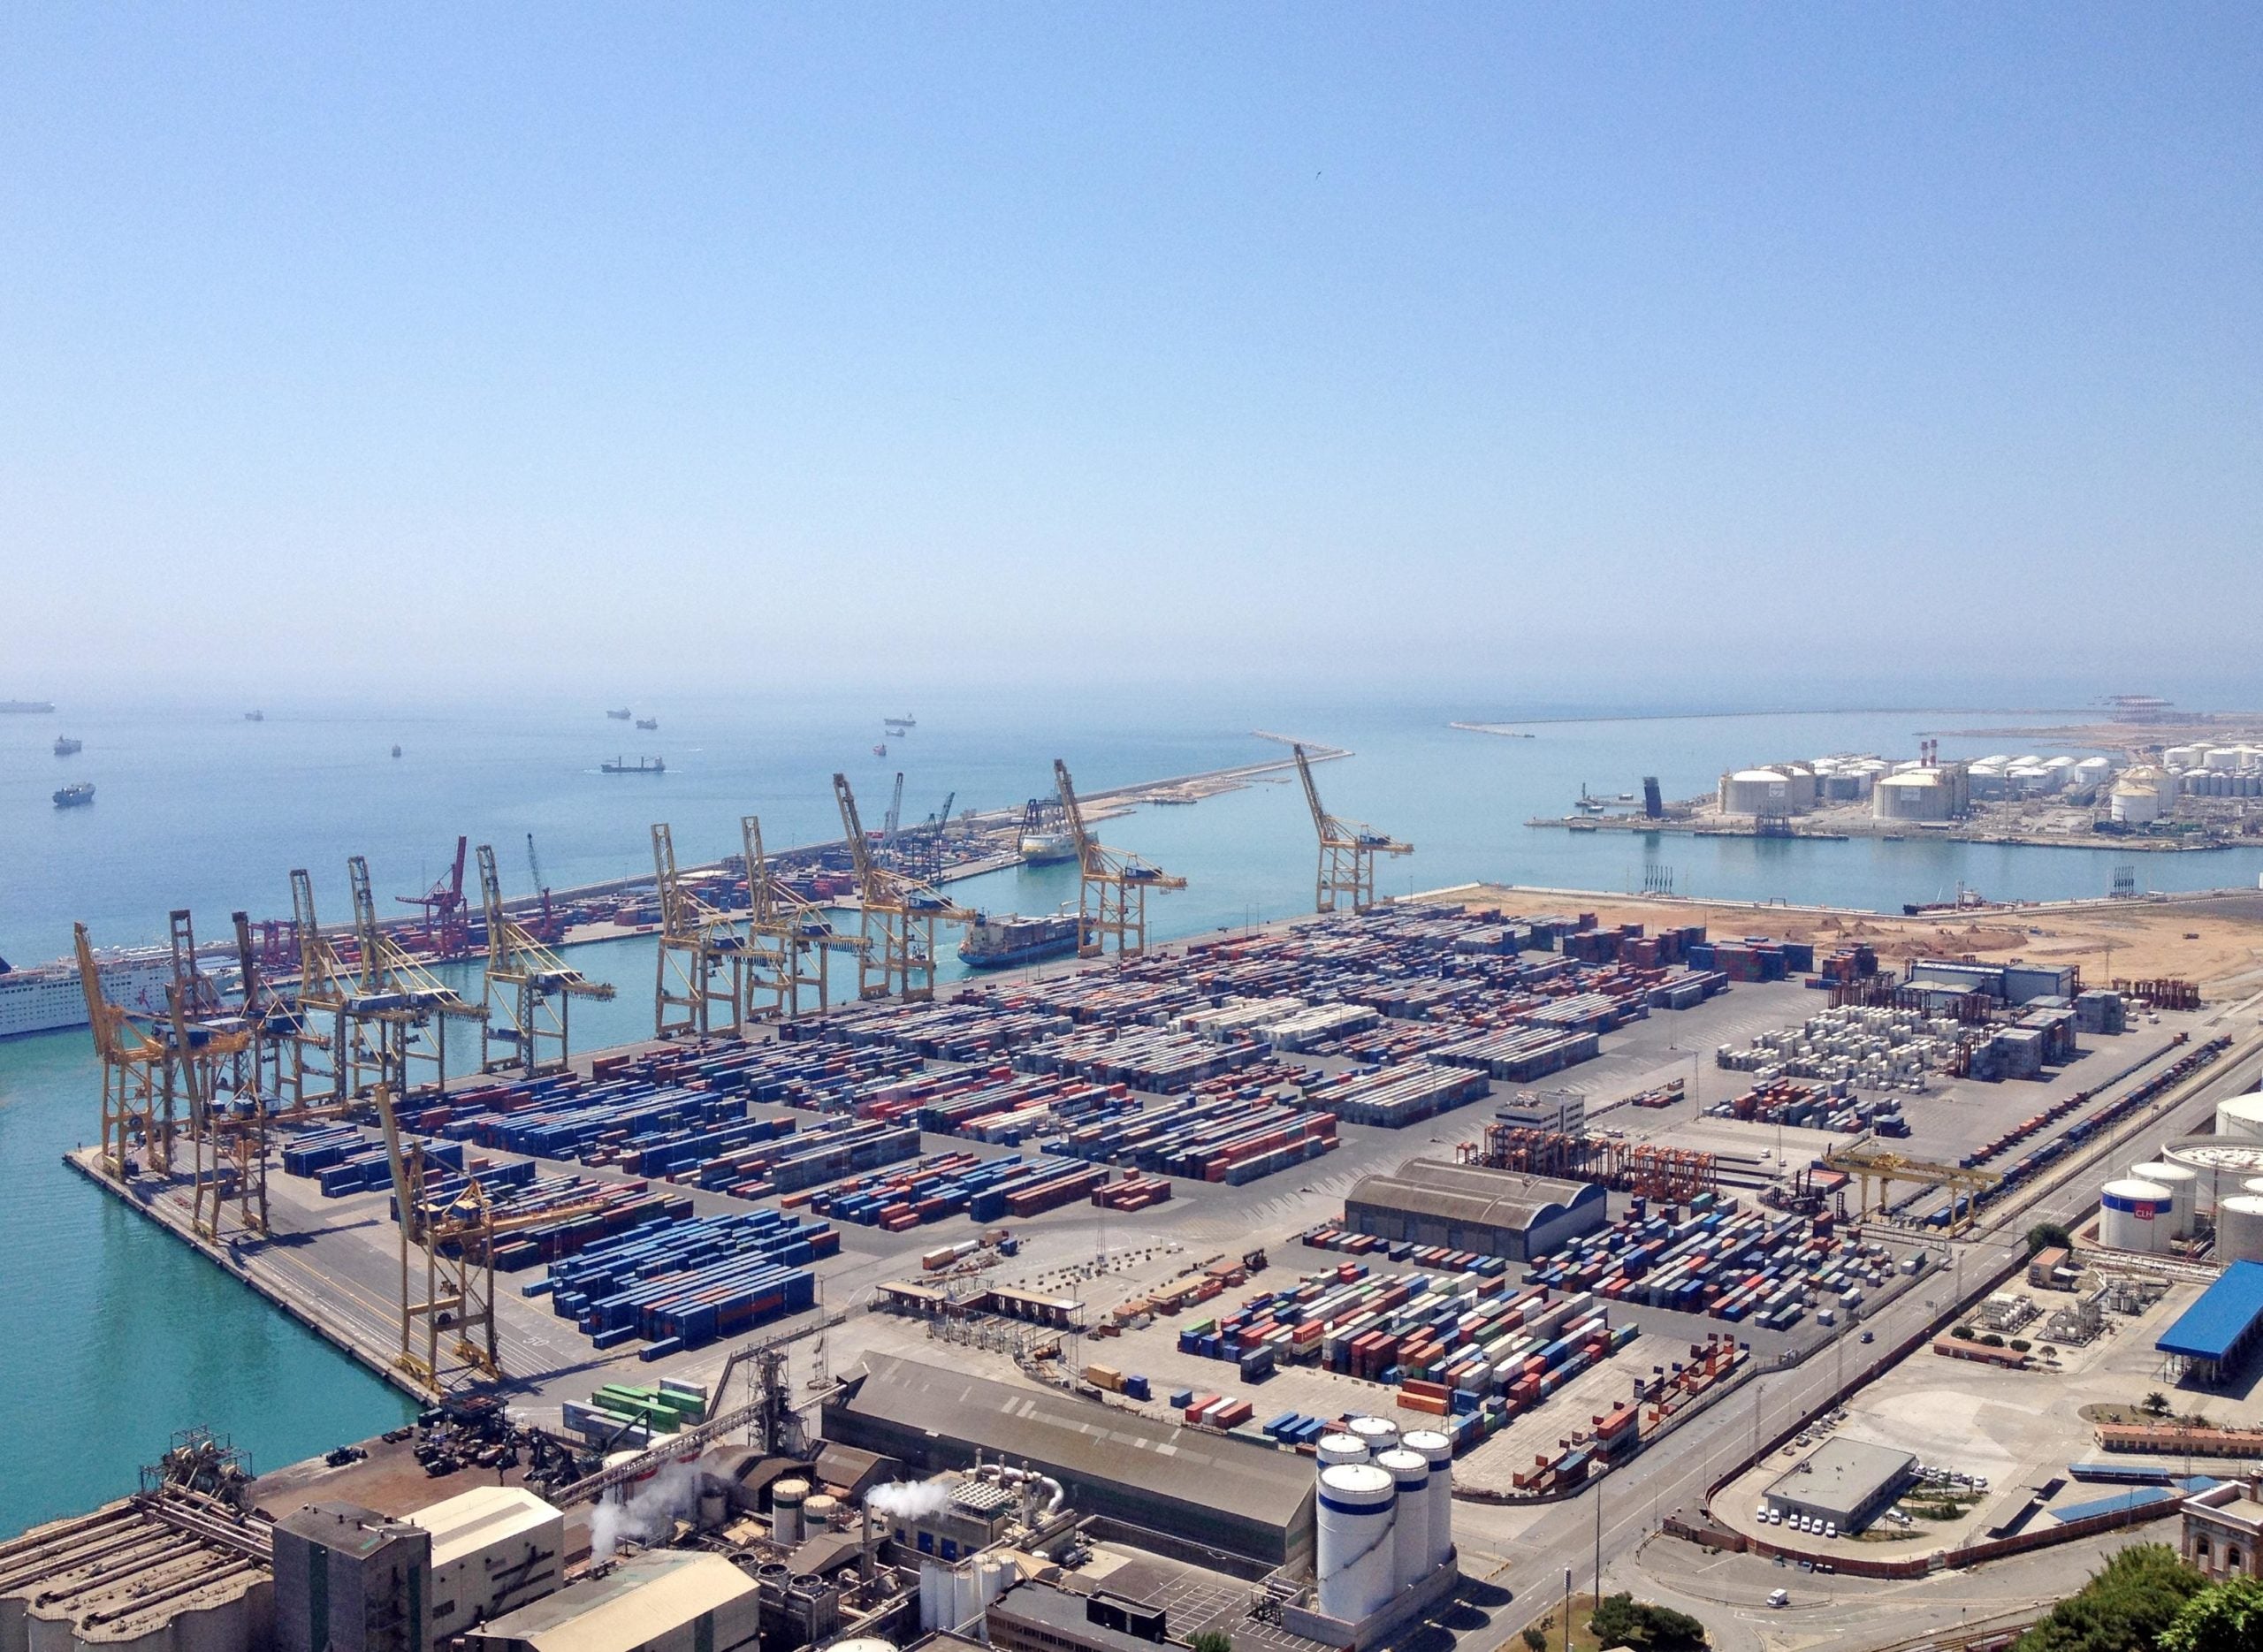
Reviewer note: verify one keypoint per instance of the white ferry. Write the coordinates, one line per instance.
(47, 997)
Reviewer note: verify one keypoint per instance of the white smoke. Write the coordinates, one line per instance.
(910, 1500)
(669, 1495)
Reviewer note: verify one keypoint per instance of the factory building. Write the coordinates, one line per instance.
(1563, 1111)
(1183, 1483)
(660, 1601)
(1846, 1483)
(494, 1548)
(137, 1576)
(1041, 1617)
(1467, 1207)
(1939, 792)
(349, 1580)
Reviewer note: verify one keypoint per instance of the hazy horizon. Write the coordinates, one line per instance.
(1735, 355)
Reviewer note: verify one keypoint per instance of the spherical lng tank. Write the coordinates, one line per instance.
(2133, 1215)
(1341, 1448)
(1410, 1524)
(1358, 1547)
(2183, 1185)
(2241, 1116)
(1438, 1451)
(2239, 1228)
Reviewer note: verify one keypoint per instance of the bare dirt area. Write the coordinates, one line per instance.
(2216, 942)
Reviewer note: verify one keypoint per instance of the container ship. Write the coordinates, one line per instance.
(67, 747)
(25, 707)
(1000, 943)
(48, 998)
(76, 797)
(641, 765)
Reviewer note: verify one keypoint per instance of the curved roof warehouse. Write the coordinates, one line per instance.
(1467, 1207)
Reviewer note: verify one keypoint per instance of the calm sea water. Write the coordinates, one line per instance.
(129, 1336)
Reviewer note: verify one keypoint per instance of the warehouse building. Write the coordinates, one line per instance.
(662, 1600)
(494, 1548)
(350, 1579)
(1467, 1207)
(1847, 1483)
(1181, 1483)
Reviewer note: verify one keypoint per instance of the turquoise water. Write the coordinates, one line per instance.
(123, 1336)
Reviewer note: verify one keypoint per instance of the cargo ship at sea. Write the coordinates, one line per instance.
(76, 797)
(641, 765)
(67, 747)
(48, 998)
(25, 707)
(1000, 943)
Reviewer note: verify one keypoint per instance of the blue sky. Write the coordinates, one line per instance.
(1434, 344)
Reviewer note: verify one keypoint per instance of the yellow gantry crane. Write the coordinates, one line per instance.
(1112, 895)
(698, 942)
(1347, 851)
(896, 954)
(788, 937)
(280, 1038)
(134, 1058)
(216, 1070)
(529, 990)
(1868, 1165)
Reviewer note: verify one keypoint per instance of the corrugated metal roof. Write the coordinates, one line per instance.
(484, 1515)
(1098, 1443)
(1472, 1195)
(2226, 1312)
(2136, 1498)
(640, 1600)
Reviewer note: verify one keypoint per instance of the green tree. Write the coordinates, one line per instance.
(1622, 1620)
(2043, 1235)
(2127, 1603)
(1535, 1637)
(2154, 1404)
(1211, 1640)
(2225, 1617)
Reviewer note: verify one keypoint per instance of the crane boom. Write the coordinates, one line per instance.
(898, 926)
(1347, 851)
(1112, 885)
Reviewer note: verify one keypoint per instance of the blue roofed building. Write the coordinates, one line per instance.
(2213, 1337)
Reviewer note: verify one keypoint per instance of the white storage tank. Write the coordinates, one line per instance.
(2133, 1215)
(786, 1500)
(1754, 791)
(819, 1513)
(2184, 1187)
(1341, 1448)
(1358, 1547)
(2239, 1228)
(1438, 1451)
(1411, 1524)
(2241, 1116)
(2221, 1163)
(1377, 1434)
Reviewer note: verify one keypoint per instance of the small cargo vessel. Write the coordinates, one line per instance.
(1000, 943)
(648, 724)
(67, 747)
(76, 797)
(29, 708)
(641, 765)
(621, 716)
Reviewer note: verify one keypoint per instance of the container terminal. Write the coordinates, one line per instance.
(1311, 1283)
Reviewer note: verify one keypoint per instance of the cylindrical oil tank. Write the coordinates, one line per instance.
(2220, 1163)
(2239, 1228)
(1358, 1548)
(2133, 1215)
(1411, 1524)
(818, 1512)
(2241, 1116)
(786, 1500)
(1438, 1451)
(862, 1643)
(2183, 1192)
(1377, 1434)
(1341, 1448)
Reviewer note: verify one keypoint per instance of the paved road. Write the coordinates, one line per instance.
(1527, 1551)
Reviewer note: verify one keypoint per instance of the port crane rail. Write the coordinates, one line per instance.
(698, 942)
(528, 989)
(788, 937)
(1347, 851)
(897, 929)
(1113, 886)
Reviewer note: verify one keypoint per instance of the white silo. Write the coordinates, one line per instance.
(2133, 1215)
(2184, 1191)
(786, 1500)
(1377, 1434)
(1358, 1547)
(2239, 1228)
(1438, 1451)
(2241, 1116)
(1411, 1524)
(1341, 1448)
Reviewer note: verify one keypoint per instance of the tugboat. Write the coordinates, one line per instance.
(642, 766)
(67, 747)
(75, 797)
(1000, 943)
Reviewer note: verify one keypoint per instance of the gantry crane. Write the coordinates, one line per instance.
(1347, 851)
(1112, 895)
(215, 1072)
(447, 932)
(133, 1055)
(529, 989)
(1867, 1165)
(897, 955)
(788, 937)
(279, 1031)
(697, 943)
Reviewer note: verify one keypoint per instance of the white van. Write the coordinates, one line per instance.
(1780, 1597)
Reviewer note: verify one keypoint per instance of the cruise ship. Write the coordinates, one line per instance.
(48, 998)
(1000, 943)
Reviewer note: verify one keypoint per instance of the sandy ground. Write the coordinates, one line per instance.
(2217, 942)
